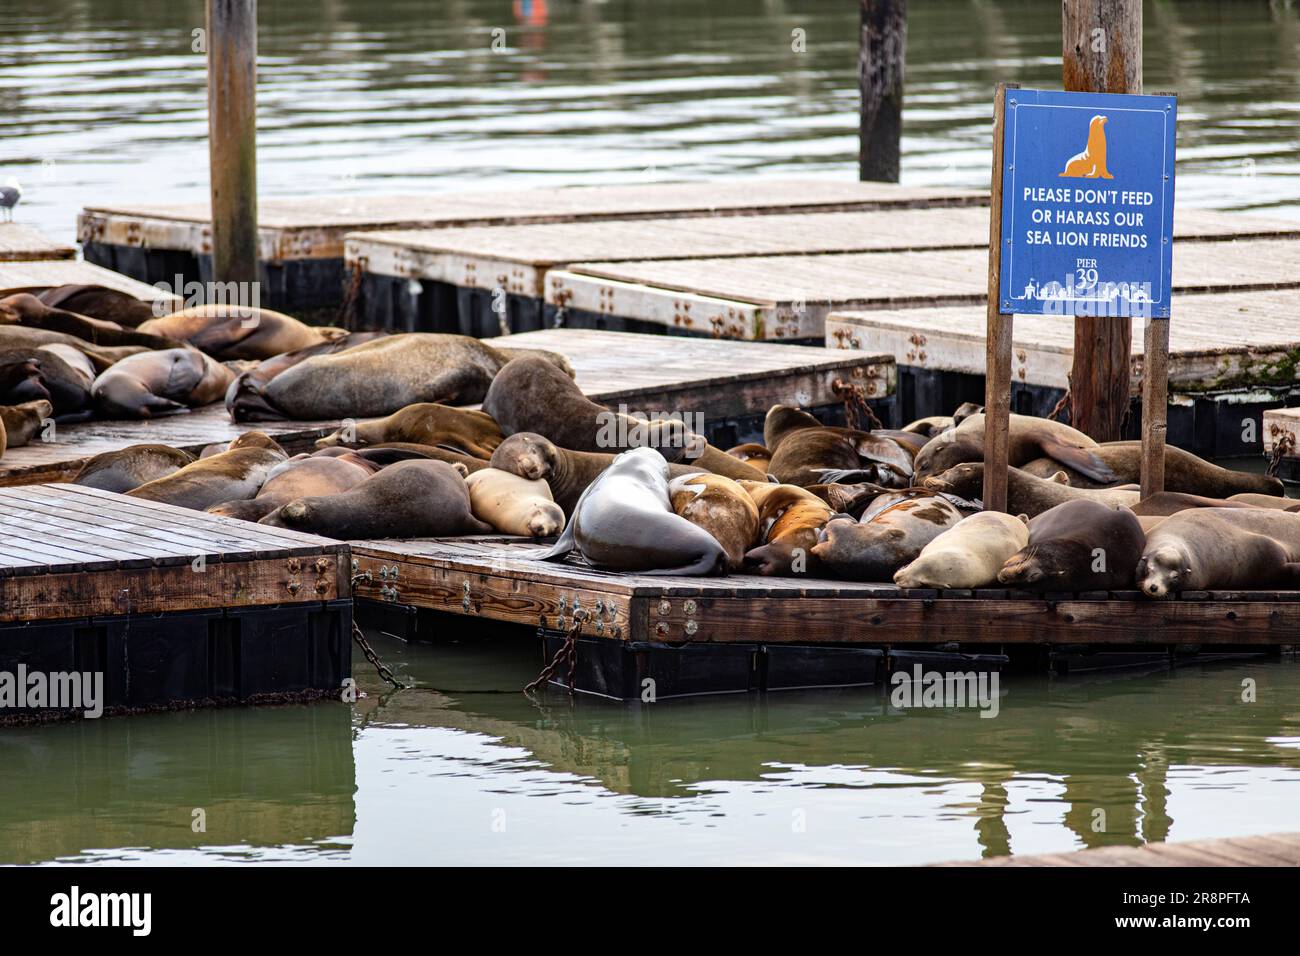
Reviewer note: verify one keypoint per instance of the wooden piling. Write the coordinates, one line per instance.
(1101, 52)
(232, 138)
(997, 342)
(881, 57)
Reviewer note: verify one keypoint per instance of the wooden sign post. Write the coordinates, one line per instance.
(997, 343)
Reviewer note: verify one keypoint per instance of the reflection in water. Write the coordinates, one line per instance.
(104, 99)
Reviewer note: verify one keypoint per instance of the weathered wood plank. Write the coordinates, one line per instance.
(21, 242)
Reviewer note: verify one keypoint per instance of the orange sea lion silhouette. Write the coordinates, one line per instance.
(1091, 163)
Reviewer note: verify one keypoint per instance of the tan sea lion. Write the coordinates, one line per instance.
(99, 302)
(930, 426)
(1184, 472)
(1025, 493)
(624, 521)
(24, 421)
(411, 499)
(25, 309)
(298, 478)
(790, 519)
(808, 456)
(1221, 549)
(1165, 503)
(1277, 502)
(753, 454)
(239, 332)
(229, 476)
(426, 423)
(1081, 545)
(128, 468)
(968, 555)
(157, 383)
(1029, 438)
(514, 505)
(722, 508)
(874, 549)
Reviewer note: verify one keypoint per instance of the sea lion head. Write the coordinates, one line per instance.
(1162, 571)
(1023, 568)
(546, 519)
(255, 439)
(946, 451)
(527, 455)
(965, 480)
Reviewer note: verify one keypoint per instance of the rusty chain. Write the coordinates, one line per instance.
(351, 295)
(856, 409)
(360, 638)
(1061, 406)
(567, 654)
(1282, 447)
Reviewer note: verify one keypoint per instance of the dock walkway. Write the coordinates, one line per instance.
(20, 242)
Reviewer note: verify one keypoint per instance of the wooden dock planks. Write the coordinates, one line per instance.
(1217, 341)
(20, 242)
(789, 297)
(498, 579)
(517, 258)
(1278, 849)
(70, 552)
(34, 275)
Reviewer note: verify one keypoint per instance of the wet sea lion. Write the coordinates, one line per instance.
(22, 422)
(298, 478)
(1221, 549)
(156, 383)
(99, 302)
(381, 376)
(249, 383)
(1025, 493)
(514, 505)
(27, 310)
(1081, 545)
(411, 499)
(239, 332)
(130, 467)
(624, 521)
(789, 519)
(807, 456)
(752, 454)
(722, 508)
(229, 476)
(1029, 438)
(1184, 472)
(530, 395)
(968, 555)
(426, 423)
(874, 550)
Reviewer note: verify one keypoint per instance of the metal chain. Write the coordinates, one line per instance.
(371, 656)
(348, 307)
(856, 408)
(1061, 406)
(1282, 447)
(567, 654)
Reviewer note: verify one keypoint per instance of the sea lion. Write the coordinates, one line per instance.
(230, 331)
(1221, 549)
(1029, 438)
(781, 420)
(411, 499)
(968, 555)
(1166, 503)
(426, 423)
(1091, 163)
(514, 505)
(383, 375)
(874, 550)
(390, 453)
(249, 384)
(23, 421)
(807, 456)
(1184, 472)
(298, 478)
(229, 476)
(848, 499)
(1025, 493)
(930, 426)
(624, 521)
(20, 377)
(567, 473)
(25, 309)
(28, 374)
(99, 302)
(1081, 545)
(1278, 502)
(530, 395)
(722, 508)
(789, 519)
(128, 468)
(156, 383)
(753, 454)
(101, 357)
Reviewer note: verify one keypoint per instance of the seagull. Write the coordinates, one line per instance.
(10, 193)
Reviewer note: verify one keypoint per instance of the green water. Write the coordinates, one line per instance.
(104, 100)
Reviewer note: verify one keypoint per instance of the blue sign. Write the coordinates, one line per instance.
(1087, 204)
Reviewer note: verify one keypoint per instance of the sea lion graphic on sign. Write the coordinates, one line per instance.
(1091, 163)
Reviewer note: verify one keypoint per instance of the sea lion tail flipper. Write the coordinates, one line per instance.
(1082, 460)
(847, 476)
(562, 546)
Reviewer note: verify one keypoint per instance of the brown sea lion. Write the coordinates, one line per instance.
(27, 310)
(1165, 503)
(1221, 549)
(514, 505)
(722, 508)
(849, 499)
(624, 521)
(156, 383)
(24, 421)
(425, 423)
(1080, 545)
(388, 453)
(1184, 472)
(930, 426)
(28, 374)
(1029, 438)
(411, 499)
(239, 332)
(806, 455)
(249, 384)
(128, 468)
(753, 454)
(1278, 502)
(874, 549)
(1025, 494)
(99, 302)
(298, 478)
(790, 519)
(229, 476)
(968, 555)
(101, 357)
(781, 420)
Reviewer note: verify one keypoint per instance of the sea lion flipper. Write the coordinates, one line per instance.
(1080, 459)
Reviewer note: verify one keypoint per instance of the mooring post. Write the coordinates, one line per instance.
(232, 137)
(882, 52)
(1101, 52)
(997, 340)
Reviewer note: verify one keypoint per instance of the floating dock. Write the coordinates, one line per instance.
(20, 242)
(739, 633)
(732, 383)
(173, 607)
(457, 279)
(301, 239)
(35, 275)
